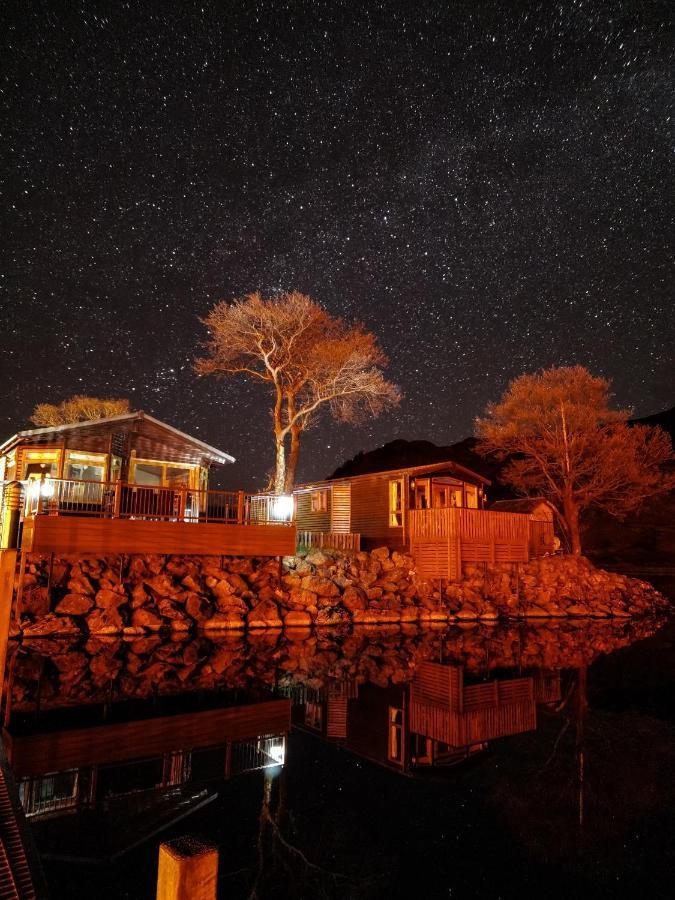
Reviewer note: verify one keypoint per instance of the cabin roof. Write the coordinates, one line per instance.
(449, 466)
(522, 505)
(214, 455)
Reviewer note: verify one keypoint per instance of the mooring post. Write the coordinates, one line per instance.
(188, 870)
(9, 527)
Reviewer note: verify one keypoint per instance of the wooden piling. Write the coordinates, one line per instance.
(188, 870)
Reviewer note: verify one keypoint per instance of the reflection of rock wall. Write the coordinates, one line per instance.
(97, 670)
(140, 594)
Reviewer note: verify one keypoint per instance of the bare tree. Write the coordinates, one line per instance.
(565, 443)
(77, 409)
(310, 359)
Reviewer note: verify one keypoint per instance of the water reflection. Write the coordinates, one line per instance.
(135, 735)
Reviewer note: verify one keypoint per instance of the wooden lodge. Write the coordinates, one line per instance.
(437, 512)
(132, 484)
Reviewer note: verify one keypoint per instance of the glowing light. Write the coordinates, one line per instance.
(281, 508)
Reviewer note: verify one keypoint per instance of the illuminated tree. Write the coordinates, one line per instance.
(564, 443)
(310, 360)
(77, 409)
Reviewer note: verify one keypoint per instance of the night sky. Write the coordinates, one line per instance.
(483, 184)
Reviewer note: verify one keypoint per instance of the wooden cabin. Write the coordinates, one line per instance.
(133, 447)
(132, 483)
(437, 512)
(374, 510)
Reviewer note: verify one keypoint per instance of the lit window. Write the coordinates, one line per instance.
(396, 503)
(319, 501)
(395, 748)
(471, 495)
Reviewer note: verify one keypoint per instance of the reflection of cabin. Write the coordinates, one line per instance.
(437, 720)
(61, 770)
(540, 514)
(444, 708)
(435, 511)
(95, 486)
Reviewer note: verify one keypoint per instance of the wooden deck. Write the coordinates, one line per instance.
(442, 539)
(80, 534)
(68, 516)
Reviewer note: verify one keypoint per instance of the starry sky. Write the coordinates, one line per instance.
(483, 184)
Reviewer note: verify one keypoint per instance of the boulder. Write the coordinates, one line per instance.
(74, 605)
(50, 625)
(221, 621)
(104, 621)
(380, 553)
(107, 599)
(35, 602)
(264, 615)
(317, 558)
(322, 587)
(296, 618)
(354, 598)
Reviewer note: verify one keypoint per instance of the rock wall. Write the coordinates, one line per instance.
(135, 595)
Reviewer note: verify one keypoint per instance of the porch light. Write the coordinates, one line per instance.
(46, 488)
(281, 508)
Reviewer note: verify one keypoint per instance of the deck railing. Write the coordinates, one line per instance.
(469, 525)
(330, 540)
(121, 500)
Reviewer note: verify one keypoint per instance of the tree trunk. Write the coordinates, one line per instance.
(572, 519)
(293, 459)
(280, 467)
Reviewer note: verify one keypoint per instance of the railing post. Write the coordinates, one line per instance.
(117, 502)
(240, 508)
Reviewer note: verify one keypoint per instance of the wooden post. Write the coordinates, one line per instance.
(7, 574)
(240, 508)
(118, 500)
(188, 870)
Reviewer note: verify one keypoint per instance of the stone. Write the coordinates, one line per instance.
(107, 599)
(264, 615)
(104, 621)
(576, 610)
(380, 553)
(316, 558)
(354, 598)
(74, 605)
(35, 602)
(296, 618)
(50, 625)
(221, 621)
(197, 607)
(322, 587)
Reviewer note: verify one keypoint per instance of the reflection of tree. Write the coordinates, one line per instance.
(282, 869)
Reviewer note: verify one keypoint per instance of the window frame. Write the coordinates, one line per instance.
(396, 505)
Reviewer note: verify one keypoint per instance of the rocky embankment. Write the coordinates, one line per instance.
(135, 595)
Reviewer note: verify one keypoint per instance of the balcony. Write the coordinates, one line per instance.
(68, 517)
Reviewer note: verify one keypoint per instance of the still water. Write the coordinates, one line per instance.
(517, 760)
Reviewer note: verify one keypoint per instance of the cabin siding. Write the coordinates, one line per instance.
(340, 512)
(305, 519)
(370, 512)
